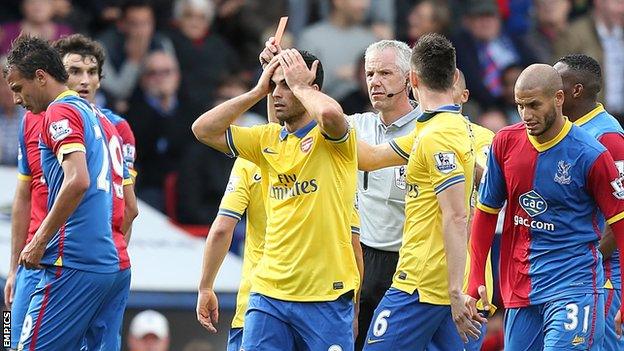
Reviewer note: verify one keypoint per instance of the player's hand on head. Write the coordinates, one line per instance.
(264, 83)
(8, 290)
(270, 50)
(31, 255)
(296, 72)
(466, 318)
(207, 309)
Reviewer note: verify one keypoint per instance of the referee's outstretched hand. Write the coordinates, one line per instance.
(208, 309)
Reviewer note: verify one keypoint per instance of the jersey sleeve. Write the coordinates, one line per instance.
(245, 142)
(237, 192)
(483, 140)
(492, 191)
(355, 221)
(403, 144)
(63, 130)
(441, 153)
(606, 186)
(614, 142)
(128, 145)
(346, 146)
(23, 169)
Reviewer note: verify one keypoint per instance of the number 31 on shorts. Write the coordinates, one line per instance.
(572, 322)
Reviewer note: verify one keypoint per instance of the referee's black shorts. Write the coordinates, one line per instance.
(379, 267)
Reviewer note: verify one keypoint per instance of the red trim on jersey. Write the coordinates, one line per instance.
(594, 312)
(614, 142)
(482, 234)
(602, 172)
(61, 243)
(618, 232)
(609, 301)
(56, 113)
(44, 304)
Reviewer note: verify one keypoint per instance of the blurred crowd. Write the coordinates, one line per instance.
(170, 60)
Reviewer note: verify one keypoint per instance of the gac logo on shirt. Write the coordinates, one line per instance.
(533, 203)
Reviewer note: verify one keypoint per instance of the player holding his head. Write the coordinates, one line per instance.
(426, 295)
(83, 59)
(79, 244)
(582, 79)
(555, 178)
(303, 286)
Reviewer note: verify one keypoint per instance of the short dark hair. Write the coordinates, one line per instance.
(29, 53)
(81, 45)
(589, 69)
(433, 59)
(309, 59)
(130, 4)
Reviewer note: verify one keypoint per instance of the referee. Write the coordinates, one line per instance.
(381, 194)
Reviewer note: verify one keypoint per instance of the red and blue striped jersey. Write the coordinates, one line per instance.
(554, 193)
(127, 138)
(29, 169)
(91, 239)
(607, 130)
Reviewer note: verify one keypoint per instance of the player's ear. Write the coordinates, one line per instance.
(413, 79)
(316, 87)
(559, 98)
(577, 90)
(40, 76)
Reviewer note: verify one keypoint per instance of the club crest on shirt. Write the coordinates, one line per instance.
(399, 177)
(563, 173)
(59, 130)
(445, 162)
(306, 144)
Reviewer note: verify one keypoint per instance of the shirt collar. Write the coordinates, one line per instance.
(66, 93)
(299, 133)
(427, 115)
(541, 147)
(590, 115)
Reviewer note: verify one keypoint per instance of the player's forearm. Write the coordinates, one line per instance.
(607, 243)
(456, 248)
(20, 216)
(72, 190)
(131, 211)
(374, 157)
(216, 248)
(324, 109)
(210, 127)
(481, 237)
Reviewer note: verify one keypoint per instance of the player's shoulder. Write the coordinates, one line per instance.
(112, 116)
(584, 140)
(444, 123)
(480, 131)
(603, 123)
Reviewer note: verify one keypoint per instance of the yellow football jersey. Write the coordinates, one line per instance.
(244, 194)
(440, 154)
(308, 254)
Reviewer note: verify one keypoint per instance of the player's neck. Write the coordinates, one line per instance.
(294, 124)
(396, 111)
(581, 110)
(552, 132)
(430, 100)
(55, 89)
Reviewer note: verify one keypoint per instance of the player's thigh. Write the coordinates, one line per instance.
(524, 329)
(575, 323)
(61, 308)
(235, 339)
(104, 331)
(266, 328)
(26, 282)
(324, 325)
(613, 300)
(402, 322)
(446, 338)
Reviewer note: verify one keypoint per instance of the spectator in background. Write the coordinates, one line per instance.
(149, 331)
(204, 172)
(205, 57)
(338, 42)
(493, 119)
(126, 46)
(483, 50)
(161, 124)
(508, 100)
(10, 120)
(358, 101)
(600, 35)
(427, 16)
(551, 19)
(37, 22)
(65, 13)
